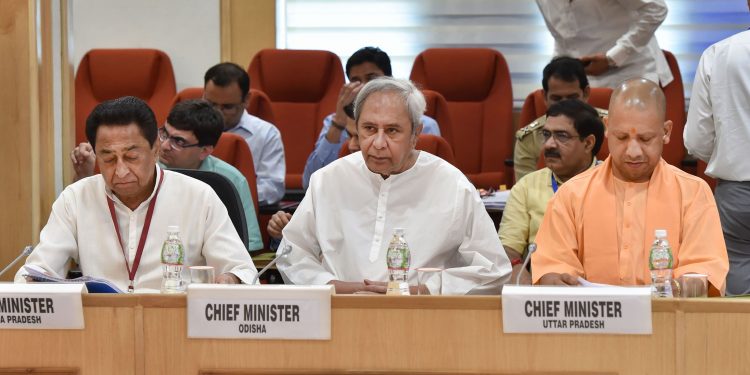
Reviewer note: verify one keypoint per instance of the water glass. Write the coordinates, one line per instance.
(694, 285)
(201, 274)
(430, 281)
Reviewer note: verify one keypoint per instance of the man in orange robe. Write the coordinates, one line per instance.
(600, 224)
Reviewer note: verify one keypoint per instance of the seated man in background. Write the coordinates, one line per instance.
(340, 232)
(364, 65)
(187, 140)
(142, 200)
(227, 88)
(281, 218)
(573, 134)
(563, 78)
(601, 223)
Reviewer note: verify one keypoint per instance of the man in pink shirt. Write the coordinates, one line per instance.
(600, 224)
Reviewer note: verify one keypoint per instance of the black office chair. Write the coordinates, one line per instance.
(228, 195)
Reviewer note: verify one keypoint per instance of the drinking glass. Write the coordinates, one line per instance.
(201, 274)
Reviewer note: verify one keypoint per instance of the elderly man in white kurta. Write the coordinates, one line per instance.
(114, 224)
(339, 234)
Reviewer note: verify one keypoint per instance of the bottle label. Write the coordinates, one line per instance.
(397, 259)
(172, 254)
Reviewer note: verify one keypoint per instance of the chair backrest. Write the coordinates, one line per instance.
(259, 104)
(534, 105)
(105, 74)
(431, 143)
(475, 83)
(674, 151)
(228, 195)
(303, 87)
(233, 149)
(437, 108)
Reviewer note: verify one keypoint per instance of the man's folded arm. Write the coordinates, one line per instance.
(702, 249)
(303, 265)
(480, 265)
(557, 245)
(222, 247)
(57, 241)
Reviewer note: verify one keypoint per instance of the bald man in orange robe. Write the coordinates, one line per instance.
(600, 224)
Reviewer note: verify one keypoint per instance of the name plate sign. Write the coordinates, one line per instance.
(41, 306)
(259, 312)
(610, 310)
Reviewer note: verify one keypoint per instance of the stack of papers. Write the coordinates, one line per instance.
(94, 285)
(497, 200)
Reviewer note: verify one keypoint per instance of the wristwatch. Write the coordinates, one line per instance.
(337, 125)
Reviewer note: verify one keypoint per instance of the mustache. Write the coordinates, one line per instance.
(552, 153)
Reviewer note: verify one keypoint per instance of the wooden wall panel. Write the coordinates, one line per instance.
(246, 28)
(27, 186)
(18, 121)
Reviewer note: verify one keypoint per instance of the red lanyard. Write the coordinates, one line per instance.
(144, 233)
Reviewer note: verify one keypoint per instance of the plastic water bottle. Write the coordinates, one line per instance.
(660, 264)
(399, 258)
(172, 259)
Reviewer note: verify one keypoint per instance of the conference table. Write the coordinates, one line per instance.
(146, 334)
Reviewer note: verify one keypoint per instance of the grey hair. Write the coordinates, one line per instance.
(410, 94)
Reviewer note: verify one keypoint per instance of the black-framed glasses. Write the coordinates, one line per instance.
(177, 143)
(560, 137)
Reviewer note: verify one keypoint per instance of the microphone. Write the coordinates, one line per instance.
(285, 252)
(532, 249)
(25, 252)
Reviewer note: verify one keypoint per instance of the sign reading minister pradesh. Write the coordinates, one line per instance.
(611, 310)
(41, 306)
(259, 312)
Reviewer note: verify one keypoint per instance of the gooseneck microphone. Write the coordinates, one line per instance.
(25, 252)
(285, 252)
(532, 249)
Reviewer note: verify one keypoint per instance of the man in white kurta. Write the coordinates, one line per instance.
(341, 230)
(81, 228)
(614, 38)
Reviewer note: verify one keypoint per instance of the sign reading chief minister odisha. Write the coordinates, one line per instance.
(41, 306)
(538, 309)
(259, 312)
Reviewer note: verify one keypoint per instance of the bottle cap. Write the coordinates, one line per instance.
(398, 231)
(173, 229)
(660, 233)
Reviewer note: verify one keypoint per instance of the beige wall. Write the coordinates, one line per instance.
(246, 28)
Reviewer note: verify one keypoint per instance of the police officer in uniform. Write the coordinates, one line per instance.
(563, 78)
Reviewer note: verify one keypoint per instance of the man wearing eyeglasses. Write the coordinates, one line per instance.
(572, 134)
(114, 224)
(563, 78)
(227, 88)
(187, 140)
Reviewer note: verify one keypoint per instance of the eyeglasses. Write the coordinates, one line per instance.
(227, 108)
(177, 143)
(559, 136)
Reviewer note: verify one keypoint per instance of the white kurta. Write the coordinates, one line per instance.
(342, 227)
(80, 227)
(718, 122)
(622, 29)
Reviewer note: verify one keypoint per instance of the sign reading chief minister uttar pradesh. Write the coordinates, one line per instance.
(259, 312)
(539, 309)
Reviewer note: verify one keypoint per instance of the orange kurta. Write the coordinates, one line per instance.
(588, 224)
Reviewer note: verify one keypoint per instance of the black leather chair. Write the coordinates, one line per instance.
(228, 195)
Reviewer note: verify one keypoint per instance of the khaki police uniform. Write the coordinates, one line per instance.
(528, 147)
